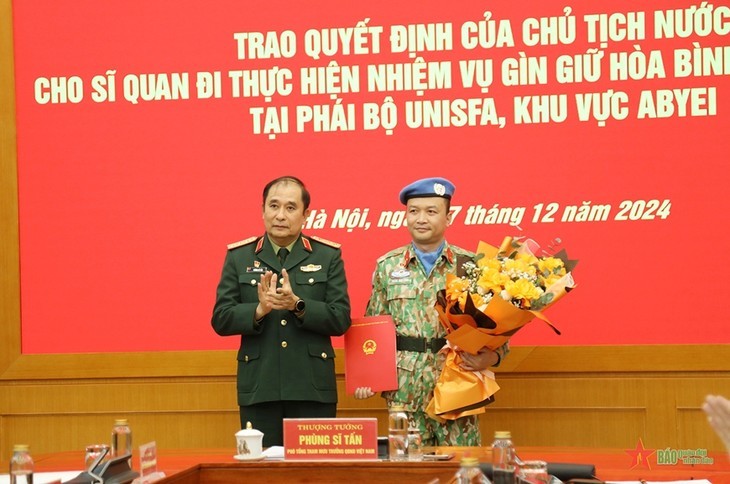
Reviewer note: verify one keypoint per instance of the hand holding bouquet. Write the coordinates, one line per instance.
(488, 302)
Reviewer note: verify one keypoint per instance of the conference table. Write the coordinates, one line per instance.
(204, 466)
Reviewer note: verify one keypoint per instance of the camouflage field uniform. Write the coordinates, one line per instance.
(402, 289)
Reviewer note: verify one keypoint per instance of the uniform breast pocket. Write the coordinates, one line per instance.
(400, 291)
(401, 299)
(248, 283)
(311, 284)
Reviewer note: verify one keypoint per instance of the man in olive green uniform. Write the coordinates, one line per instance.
(285, 313)
(405, 285)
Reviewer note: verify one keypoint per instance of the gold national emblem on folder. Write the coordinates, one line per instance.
(369, 347)
(370, 354)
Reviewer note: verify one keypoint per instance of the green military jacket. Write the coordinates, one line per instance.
(284, 357)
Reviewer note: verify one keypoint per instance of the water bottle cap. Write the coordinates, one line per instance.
(502, 434)
(397, 408)
(21, 448)
(121, 421)
(469, 461)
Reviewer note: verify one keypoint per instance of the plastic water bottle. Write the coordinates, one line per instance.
(470, 473)
(21, 465)
(503, 458)
(121, 438)
(397, 433)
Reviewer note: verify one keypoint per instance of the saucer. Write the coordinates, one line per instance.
(249, 457)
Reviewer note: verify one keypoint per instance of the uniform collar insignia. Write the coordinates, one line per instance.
(259, 245)
(311, 268)
(449, 254)
(407, 258)
(307, 244)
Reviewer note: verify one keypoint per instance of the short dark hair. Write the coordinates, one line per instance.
(289, 179)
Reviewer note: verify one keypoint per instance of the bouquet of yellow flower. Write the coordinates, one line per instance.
(494, 296)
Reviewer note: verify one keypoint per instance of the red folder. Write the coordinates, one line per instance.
(370, 354)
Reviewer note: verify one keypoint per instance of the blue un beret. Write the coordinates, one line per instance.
(428, 187)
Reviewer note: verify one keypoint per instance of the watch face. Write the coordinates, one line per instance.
(300, 305)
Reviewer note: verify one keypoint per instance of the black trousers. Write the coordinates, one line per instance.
(268, 417)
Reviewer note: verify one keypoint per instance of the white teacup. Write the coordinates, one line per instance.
(249, 442)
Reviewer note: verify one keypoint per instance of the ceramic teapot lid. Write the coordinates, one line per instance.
(249, 431)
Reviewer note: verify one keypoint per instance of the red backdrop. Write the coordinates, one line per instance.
(128, 196)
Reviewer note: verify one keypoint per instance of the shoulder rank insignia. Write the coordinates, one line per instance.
(241, 243)
(393, 253)
(325, 241)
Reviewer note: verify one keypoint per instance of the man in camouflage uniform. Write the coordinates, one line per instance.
(405, 285)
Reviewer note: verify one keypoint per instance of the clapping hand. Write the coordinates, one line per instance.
(264, 291)
(283, 297)
(273, 297)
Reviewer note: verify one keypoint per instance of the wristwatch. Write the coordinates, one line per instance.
(300, 306)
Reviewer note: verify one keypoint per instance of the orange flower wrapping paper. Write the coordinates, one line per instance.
(505, 289)
(458, 392)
